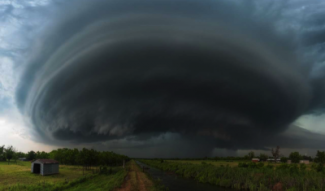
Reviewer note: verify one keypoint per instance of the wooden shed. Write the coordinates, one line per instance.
(45, 167)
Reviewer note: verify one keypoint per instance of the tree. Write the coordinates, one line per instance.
(305, 157)
(251, 155)
(2, 153)
(275, 153)
(320, 157)
(10, 152)
(295, 157)
(31, 155)
(15, 157)
(284, 159)
(42, 155)
(263, 157)
(21, 155)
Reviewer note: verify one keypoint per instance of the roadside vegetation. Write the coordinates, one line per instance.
(246, 175)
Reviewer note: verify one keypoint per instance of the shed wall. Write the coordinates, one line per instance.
(50, 169)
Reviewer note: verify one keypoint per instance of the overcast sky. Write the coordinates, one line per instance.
(163, 78)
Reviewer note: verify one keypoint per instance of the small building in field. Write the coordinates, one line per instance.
(22, 159)
(304, 161)
(45, 167)
(289, 161)
(272, 160)
(255, 160)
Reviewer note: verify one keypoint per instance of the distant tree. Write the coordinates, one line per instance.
(21, 155)
(320, 157)
(251, 155)
(304, 157)
(2, 153)
(275, 153)
(295, 157)
(15, 157)
(41, 155)
(263, 157)
(284, 159)
(31, 155)
(38, 155)
(9, 153)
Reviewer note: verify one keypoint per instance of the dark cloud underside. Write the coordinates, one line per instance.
(210, 72)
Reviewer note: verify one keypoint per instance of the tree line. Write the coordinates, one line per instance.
(84, 157)
(295, 157)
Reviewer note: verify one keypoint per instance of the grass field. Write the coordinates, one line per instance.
(247, 176)
(19, 177)
(101, 182)
(213, 162)
(220, 163)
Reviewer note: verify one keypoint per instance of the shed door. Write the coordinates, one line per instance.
(37, 168)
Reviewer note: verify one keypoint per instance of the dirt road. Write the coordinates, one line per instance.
(136, 180)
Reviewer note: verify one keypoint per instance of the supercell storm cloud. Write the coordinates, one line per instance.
(220, 72)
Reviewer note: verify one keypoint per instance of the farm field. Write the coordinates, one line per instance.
(18, 177)
(247, 176)
(220, 163)
(212, 162)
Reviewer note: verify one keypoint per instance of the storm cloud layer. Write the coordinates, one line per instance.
(217, 73)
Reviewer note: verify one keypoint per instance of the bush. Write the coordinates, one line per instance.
(269, 166)
(283, 166)
(252, 165)
(242, 165)
(105, 170)
(303, 167)
(294, 168)
(260, 165)
(295, 157)
(263, 157)
(320, 157)
(320, 167)
(284, 159)
(314, 166)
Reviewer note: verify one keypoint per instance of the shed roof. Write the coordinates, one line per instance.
(47, 161)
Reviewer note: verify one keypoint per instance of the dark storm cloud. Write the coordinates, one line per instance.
(215, 73)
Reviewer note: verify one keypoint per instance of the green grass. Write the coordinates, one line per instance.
(20, 173)
(212, 162)
(19, 177)
(254, 176)
(101, 182)
(219, 163)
